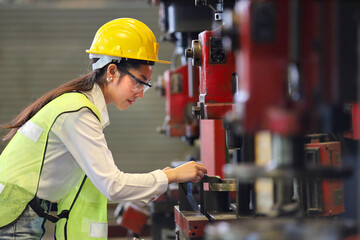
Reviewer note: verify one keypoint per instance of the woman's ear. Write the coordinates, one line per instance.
(111, 71)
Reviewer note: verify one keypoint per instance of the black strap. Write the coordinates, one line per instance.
(35, 205)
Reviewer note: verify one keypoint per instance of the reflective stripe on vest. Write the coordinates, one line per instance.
(20, 168)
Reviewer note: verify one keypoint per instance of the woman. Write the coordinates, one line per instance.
(58, 151)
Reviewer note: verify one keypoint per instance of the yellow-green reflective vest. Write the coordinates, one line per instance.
(20, 168)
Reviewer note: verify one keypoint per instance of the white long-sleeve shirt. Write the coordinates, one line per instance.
(77, 143)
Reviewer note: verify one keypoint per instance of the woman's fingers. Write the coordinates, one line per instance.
(200, 172)
(189, 172)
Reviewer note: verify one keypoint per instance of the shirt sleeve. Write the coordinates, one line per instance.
(82, 134)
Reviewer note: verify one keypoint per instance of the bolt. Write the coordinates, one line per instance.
(196, 110)
(189, 53)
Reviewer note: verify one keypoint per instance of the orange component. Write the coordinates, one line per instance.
(134, 218)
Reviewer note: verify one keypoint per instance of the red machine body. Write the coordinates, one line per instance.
(262, 65)
(330, 194)
(356, 121)
(191, 223)
(216, 77)
(213, 149)
(180, 98)
(264, 60)
(354, 133)
(217, 85)
(216, 88)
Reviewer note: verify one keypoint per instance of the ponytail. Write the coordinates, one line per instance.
(82, 84)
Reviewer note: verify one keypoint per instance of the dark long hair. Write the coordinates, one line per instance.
(83, 84)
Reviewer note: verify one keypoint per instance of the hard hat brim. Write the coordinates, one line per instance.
(162, 61)
(151, 60)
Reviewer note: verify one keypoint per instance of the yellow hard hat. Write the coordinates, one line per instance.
(126, 38)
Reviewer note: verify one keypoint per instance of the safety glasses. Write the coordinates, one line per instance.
(138, 84)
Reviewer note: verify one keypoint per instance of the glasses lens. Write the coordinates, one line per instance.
(137, 87)
(146, 88)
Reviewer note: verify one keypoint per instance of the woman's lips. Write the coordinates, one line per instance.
(130, 102)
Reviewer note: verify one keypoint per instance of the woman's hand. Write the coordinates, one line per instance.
(188, 172)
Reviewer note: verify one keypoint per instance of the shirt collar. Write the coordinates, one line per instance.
(96, 96)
